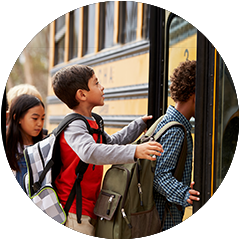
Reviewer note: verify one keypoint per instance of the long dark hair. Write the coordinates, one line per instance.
(18, 110)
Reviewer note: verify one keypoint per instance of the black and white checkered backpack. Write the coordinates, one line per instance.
(43, 165)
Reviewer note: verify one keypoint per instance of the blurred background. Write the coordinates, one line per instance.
(23, 20)
(133, 48)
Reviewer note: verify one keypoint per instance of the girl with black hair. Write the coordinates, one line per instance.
(25, 124)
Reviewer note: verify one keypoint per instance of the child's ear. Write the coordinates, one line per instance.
(80, 95)
(194, 97)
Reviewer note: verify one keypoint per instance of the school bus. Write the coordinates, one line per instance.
(133, 48)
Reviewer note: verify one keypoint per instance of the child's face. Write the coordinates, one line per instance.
(32, 123)
(95, 95)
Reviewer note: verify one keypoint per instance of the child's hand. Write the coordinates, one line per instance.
(148, 150)
(193, 194)
(146, 118)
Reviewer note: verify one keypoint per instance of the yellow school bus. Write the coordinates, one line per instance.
(133, 48)
(121, 64)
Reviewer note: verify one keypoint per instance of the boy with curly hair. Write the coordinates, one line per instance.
(166, 187)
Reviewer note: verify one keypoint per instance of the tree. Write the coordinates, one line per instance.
(17, 74)
(24, 20)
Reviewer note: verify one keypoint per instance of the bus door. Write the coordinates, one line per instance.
(217, 120)
(180, 45)
(225, 203)
(173, 41)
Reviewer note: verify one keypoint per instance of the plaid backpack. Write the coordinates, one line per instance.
(44, 164)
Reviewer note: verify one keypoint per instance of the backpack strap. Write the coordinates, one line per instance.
(82, 166)
(150, 132)
(77, 191)
(149, 135)
(178, 171)
(100, 123)
(57, 131)
(69, 119)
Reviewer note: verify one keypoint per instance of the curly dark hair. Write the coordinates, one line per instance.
(183, 81)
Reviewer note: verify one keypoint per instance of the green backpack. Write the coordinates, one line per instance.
(125, 206)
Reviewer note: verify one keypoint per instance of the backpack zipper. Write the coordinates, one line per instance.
(29, 172)
(125, 195)
(125, 218)
(101, 125)
(111, 196)
(109, 204)
(140, 192)
(24, 187)
(40, 153)
(37, 185)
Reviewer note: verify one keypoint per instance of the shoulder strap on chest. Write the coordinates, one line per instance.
(179, 169)
(100, 123)
(69, 119)
(77, 191)
(178, 172)
(57, 131)
(82, 166)
(99, 120)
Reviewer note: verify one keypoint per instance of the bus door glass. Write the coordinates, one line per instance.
(227, 166)
(181, 46)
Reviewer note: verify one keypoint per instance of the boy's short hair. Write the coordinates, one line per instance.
(67, 81)
(183, 81)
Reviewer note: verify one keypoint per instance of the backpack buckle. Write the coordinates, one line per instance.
(36, 186)
(79, 177)
(144, 139)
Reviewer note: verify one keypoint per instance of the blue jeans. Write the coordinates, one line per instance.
(17, 222)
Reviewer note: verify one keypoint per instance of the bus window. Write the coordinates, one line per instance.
(227, 161)
(60, 10)
(182, 46)
(128, 21)
(59, 40)
(89, 29)
(74, 34)
(106, 25)
(146, 21)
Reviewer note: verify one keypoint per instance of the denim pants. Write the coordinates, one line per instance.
(17, 222)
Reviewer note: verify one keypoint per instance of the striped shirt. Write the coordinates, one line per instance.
(165, 186)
